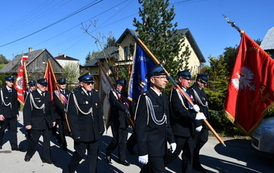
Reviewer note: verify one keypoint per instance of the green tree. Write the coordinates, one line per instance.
(216, 90)
(71, 72)
(88, 57)
(91, 56)
(110, 42)
(160, 35)
(230, 54)
(3, 59)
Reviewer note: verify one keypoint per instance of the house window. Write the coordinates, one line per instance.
(126, 52)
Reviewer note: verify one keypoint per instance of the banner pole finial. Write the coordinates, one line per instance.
(233, 24)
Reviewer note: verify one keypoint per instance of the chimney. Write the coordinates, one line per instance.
(30, 49)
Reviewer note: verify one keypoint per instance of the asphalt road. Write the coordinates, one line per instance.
(237, 157)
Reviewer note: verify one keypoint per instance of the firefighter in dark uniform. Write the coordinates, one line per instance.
(118, 121)
(183, 116)
(201, 132)
(39, 118)
(31, 87)
(152, 123)
(86, 122)
(60, 101)
(9, 112)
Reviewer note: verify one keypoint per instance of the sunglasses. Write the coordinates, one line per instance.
(88, 83)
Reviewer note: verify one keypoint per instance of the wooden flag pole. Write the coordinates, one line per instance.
(179, 88)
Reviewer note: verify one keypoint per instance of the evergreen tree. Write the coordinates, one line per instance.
(91, 56)
(160, 35)
(88, 57)
(3, 59)
(110, 42)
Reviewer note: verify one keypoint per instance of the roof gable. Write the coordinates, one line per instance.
(185, 31)
(109, 52)
(35, 63)
(65, 57)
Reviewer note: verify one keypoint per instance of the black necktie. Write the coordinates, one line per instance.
(89, 93)
(43, 93)
(63, 92)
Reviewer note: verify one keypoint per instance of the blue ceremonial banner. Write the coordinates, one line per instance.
(138, 81)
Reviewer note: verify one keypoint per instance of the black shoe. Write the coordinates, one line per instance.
(47, 161)
(15, 149)
(27, 158)
(108, 158)
(125, 163)
(199, 168)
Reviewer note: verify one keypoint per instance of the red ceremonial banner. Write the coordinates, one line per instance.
(50, 76)
(250, 92)
(20, 83)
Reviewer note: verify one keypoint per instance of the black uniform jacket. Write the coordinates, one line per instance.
(152, 138)
(10, 111)
(117, 116)
(38, 118)
(201, 100)
(182, 118)
(60, 107)
(86, 127)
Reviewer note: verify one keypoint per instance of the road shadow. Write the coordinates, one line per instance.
(239, 150)
(237, 156)
(61, 158)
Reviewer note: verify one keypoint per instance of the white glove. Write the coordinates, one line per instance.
(196, 108)
(143, 159)
(200, 116)
(173, 147)
(199, 128)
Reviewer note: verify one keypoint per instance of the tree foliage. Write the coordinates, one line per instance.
(71, 72)
(110, 42)
(3, 59)
(160, 35)
(91, 56)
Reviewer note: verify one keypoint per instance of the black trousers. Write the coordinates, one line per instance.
(119, 140)
(78, 154)
(185, 144)
(33, 141)
(61, 132)
(12, 124)
(199, 141)
(155, 165)
(132, 141)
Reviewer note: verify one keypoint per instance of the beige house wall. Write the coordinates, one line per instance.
(129, 40)
(193, 61)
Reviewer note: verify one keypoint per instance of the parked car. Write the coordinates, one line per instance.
(263, 136)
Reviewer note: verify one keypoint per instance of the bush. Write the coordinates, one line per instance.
(222, 125)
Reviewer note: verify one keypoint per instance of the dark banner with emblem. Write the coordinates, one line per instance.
(141, 64)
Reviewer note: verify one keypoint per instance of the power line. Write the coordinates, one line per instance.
(54, 23)
(89, 20)
(31, 17)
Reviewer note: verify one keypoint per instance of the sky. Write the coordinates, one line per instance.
(58, 25)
